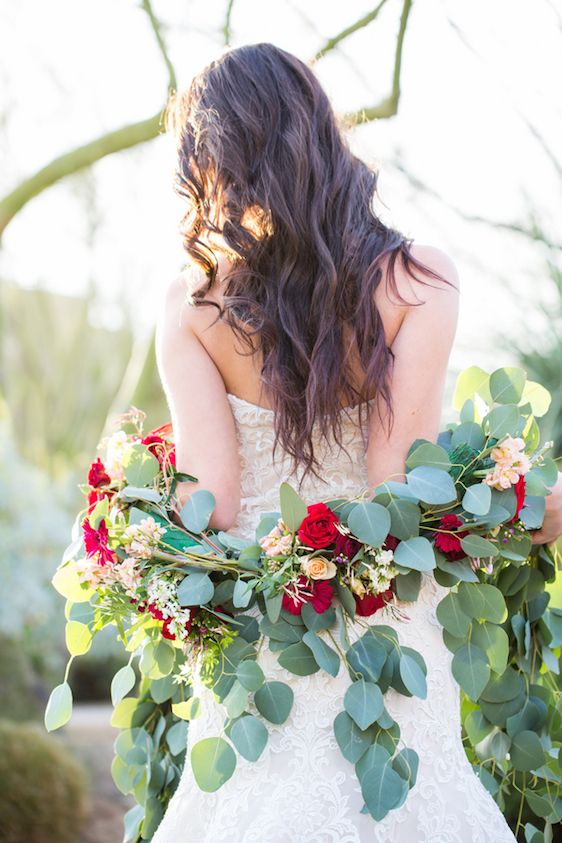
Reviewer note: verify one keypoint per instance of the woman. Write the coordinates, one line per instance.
(303, 346)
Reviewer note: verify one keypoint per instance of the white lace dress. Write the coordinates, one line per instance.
(301, 789)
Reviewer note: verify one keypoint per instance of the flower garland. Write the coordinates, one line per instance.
(178, 592)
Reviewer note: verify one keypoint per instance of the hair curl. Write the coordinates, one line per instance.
(255, 132)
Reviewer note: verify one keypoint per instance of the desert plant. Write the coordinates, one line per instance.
(43, 793)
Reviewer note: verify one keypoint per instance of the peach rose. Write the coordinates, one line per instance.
(318, 567)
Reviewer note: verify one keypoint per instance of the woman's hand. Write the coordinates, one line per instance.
(552, 524)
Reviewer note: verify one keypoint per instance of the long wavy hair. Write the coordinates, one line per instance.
(257, 137)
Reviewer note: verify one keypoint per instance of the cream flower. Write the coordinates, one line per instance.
(511, 462)
(318, 567)
(278, 541)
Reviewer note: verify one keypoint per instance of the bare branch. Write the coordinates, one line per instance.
(388, 106)
(77, 159)
(349, 30)
(226, 30)
(157, 29)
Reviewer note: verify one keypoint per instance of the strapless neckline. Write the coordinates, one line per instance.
(269, 411)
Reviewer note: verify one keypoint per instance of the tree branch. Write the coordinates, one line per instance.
(388, 106)
(91, 152)
(226, 30)
(349, 30)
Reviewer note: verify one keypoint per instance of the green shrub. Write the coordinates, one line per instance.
(43, 792)
(22, 695)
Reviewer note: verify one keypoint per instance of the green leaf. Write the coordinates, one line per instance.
(532, 514)
(298, 659)
(293, 508)
(502, 420)
(538, 397)
(408, 586)
(250, 674)
(366, 656)
(249, 736)
(494, 608)
(195, 590)
(351, 740)
(78, 638)
(382, 789)
(477, 546)
(412, 675)
(197, 510)
(506, 385)
(141, 467)
(318, 620)
(495, 643)
(236, 700)
(274, 701)
(469, 433)
(477, 727)
(404, 518)
(123, 682)
(526, 751)
(59, 707)
(242, 594)
(364, 702)
(471, 381)
(324, 655)
(451, 616)
(370, 522)
(471, 670)
(471, 599)
(416, 554)
(176, 737)
(477, 499)
(428, 453)
(273, 606)
(431, 485)
(213, 762)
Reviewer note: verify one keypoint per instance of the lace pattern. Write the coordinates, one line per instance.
(301, 789)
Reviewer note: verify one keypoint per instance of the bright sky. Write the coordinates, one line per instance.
(473, 72)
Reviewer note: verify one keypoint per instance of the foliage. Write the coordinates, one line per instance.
(178, 592)
(43, 793)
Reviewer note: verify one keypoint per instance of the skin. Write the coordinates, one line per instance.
(199, 363)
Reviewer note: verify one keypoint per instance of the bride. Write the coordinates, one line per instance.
(308, 342)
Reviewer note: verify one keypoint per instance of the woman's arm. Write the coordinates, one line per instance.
(552, 524)
(204, 428)
(421, 347)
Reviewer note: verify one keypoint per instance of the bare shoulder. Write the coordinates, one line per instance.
(178, 310)
(433, 295)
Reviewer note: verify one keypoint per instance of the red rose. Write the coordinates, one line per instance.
(346, 546)
(96, 541)
(370, 603)
(318, 527)
(317, 592)
(450, 544)
(97, 475)
(519, 497)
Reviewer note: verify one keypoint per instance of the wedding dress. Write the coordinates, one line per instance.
(301, 789)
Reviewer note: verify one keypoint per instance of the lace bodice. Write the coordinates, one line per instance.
(301, 789)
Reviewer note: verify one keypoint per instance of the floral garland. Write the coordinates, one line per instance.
(178, 593)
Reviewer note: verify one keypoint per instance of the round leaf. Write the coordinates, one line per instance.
(213, 762)
(412, 676)
(59, 707)
(416, 554)
(471, 670)
(293, 508)
(78, 638)
(526, 752)
(123, 682)
(250, 674)
(364, 702)
(197, 510)
(477, 499)
(327, 658)
(249, 736)
(506, 385)
(274, 701)
(431, 485)
(195, 590)
(370, 522)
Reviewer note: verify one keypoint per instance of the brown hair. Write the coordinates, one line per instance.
(255, 131)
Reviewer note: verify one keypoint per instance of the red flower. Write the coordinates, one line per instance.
(317, 592)
(95, 495)
(391, 542)
(318, 527)
(346, 546)
(519, 497)
(97, 475)
(96, 541)
(159, 448)
(450, 544)
(370, 603)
